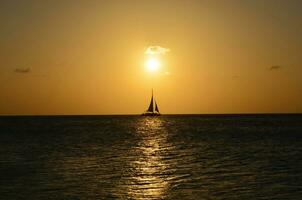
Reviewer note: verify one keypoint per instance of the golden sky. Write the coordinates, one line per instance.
(89, 57)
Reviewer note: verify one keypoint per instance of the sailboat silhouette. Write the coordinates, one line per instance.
(152, 109)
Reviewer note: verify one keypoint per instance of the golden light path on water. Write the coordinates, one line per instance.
(147, 180)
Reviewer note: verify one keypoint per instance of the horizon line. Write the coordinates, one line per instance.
(66, 115)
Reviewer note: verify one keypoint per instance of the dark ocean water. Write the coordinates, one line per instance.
(167, 157)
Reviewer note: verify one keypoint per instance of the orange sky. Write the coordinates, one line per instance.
(88, 57)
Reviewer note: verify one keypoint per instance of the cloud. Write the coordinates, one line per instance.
(275, 67)
(155, 50)
(22, 70)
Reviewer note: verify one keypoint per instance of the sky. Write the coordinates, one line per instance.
(91, 57)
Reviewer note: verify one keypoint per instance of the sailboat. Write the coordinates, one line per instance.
(153, 108)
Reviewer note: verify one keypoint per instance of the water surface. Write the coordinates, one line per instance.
(166, 157)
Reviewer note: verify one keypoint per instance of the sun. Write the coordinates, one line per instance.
(152, 64)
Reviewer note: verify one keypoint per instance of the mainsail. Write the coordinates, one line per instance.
(153, 108)
(150, 109)
(156, 107)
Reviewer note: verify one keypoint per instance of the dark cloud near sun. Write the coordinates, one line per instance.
(275, 67)
(22, 70)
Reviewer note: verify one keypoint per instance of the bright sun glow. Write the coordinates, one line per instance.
(152, 64)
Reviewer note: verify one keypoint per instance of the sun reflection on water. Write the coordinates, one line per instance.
(146, 178)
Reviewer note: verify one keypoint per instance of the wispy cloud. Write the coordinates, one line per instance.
(22, 70)
(275, 67)
(155, 50)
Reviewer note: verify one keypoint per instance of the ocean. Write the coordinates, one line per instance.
(167, 157)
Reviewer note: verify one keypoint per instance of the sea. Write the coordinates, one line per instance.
(167, 157)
